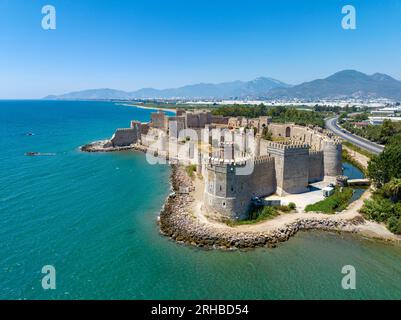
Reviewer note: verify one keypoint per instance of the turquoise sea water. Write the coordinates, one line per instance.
(93, 216)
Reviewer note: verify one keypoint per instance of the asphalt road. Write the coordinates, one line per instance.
(331, 124)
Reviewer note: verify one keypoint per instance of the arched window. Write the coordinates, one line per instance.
(288, 132)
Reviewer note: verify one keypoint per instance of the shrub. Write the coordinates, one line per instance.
(267, 212)
(394, 225)
(256, 214)
(266, 134)
(261, 213)
(190, 170)
(283, 208)
(378, 208)
(292, 205)
(381, 209)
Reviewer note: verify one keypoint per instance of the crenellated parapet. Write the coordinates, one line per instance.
(263, 159)
(238, 164)
(291, 166)
(318, 139)
(285, 145)
(315, 153)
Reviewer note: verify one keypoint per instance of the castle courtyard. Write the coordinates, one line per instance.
(315, 194)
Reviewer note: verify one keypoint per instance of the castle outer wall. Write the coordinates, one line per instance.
(318, 141)
(300, 156)
(315, 166)
(125, 137)
(307, 155)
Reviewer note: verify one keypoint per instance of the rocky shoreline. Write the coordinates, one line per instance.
(180, 225)
(105, 146)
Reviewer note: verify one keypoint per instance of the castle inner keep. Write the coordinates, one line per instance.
(233, 169)
(305, 156)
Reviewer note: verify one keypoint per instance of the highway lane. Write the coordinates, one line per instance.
(331, 124)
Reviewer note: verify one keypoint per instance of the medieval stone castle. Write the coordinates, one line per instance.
(235, 160)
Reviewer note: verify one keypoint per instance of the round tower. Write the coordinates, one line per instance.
(332, 157)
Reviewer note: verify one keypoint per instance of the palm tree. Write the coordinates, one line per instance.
(393, 188)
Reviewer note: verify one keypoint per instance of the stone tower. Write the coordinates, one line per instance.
(224, 190)
(291, 165)
(332, 158)
(230, 186)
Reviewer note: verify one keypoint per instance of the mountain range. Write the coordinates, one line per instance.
(343, 84)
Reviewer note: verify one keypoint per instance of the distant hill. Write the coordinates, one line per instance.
(227, 90)
(343, 84)
(92, 94)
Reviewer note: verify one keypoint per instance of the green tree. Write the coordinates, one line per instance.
(394, 225)
(387, 130)
(266, 134)
(361, 117)
(387, 165)
(393, 189)
(378, 209)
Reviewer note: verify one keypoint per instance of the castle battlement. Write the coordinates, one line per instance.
(335, 142)
(323, 134)
(316, 152)
(240, 161)
(288, 145)
(237, 168)
(232, 162)
(125, 129)
(263, 159)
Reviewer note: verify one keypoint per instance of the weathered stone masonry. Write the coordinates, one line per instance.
(228, 191)
(304, 156)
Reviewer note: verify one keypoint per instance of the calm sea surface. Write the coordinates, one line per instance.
(93, 217)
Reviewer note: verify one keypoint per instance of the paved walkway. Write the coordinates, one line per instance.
(369, 228)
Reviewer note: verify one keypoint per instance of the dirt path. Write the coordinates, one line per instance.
(368, 228)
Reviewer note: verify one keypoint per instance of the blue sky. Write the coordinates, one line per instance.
(132, 44)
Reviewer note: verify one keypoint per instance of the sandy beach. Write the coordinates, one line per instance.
(150, 108)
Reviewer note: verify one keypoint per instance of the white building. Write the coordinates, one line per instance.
(380, 120)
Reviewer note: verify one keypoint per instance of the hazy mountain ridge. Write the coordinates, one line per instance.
(91, 94)
(343, 84)
(225, 90)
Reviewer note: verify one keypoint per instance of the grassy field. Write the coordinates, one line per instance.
(335, 203)
(258, 214)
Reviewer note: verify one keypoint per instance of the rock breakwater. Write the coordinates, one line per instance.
(106, 146)
(177, 222)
